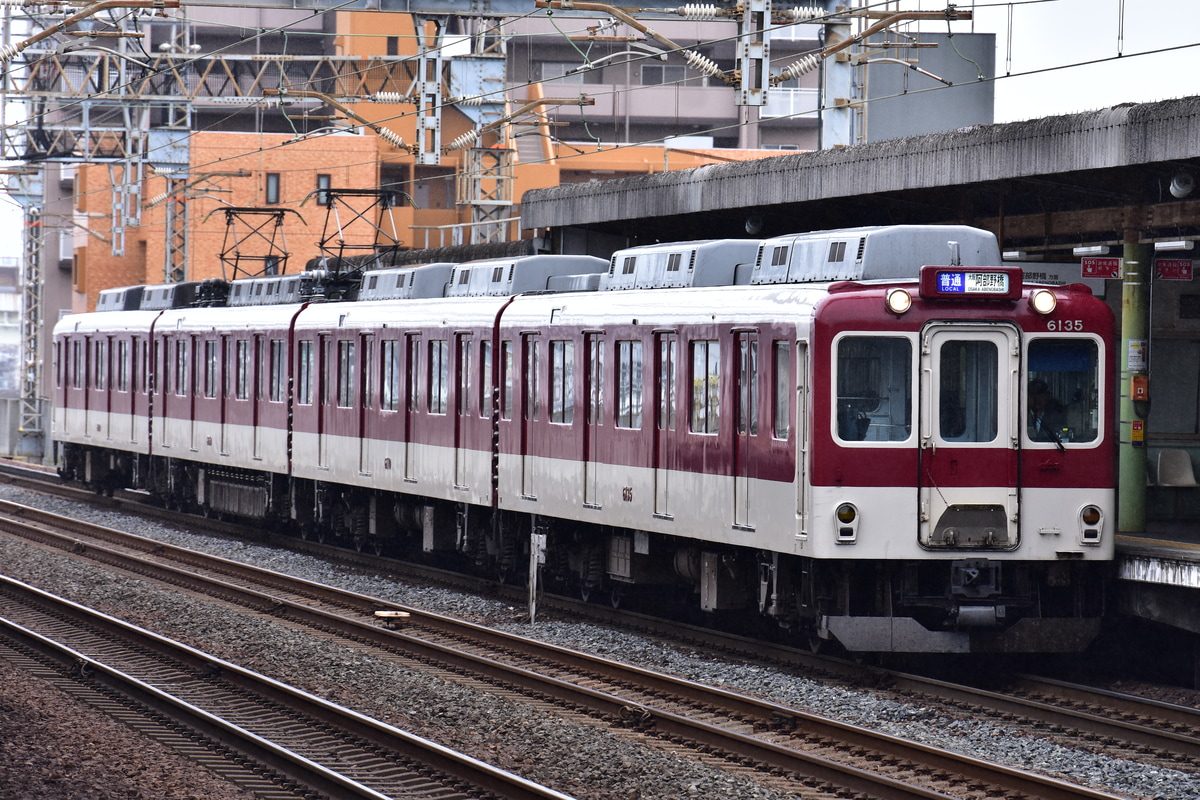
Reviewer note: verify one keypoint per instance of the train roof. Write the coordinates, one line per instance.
(501, 277)
(707, 262)
(891, 252)
(415, 281)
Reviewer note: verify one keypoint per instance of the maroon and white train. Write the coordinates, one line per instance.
(819, 429)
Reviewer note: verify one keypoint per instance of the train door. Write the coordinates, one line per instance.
(259, 376)
(324, 367)
(593, 381)
(746, 430)
(666, 347)
(216, 384)
(969, 432)
(366, 404)
(783, 384)
(530, 411)
(412, 371)
(462, 405)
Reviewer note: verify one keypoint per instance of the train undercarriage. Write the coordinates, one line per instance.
(964, 605)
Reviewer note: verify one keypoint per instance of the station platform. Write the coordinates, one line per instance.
(1158, 573)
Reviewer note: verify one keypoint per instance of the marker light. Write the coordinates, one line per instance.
(1043, 301)
(899, 301)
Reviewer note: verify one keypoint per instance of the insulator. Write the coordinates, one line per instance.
(798, 68)
(391, 137)
(701, 63)
(158, 199)
(800, 13)
(8, 53)
(476, 100)
(462, 141)
(699, 11)
(390, 97)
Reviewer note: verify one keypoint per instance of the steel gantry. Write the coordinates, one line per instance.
(92, 92)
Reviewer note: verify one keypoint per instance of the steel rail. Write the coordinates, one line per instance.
(641, 712)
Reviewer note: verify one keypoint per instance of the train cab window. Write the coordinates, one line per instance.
(967, 398)
(439, 374)
(389, 382)
(874, 389)
(1062, 393)
(181, 367)
(506, 366)
(629, 384)
(304, 372)
(562, 382)
(781, 354)
(345, 375)
(706, 386)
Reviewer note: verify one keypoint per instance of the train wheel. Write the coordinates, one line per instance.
(617, 595)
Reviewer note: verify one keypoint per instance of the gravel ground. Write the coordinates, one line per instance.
(583, 760)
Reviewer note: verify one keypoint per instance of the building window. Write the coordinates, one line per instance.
(558, 71)
(393, 45)
(323, 190)
(272, 189)
(659, 74)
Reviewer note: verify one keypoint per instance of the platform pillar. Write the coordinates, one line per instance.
(1133, 360)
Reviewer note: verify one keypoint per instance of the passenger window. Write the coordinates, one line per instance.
(345, 392)
(439, 374)
(562, 382)
(629, 384)
(706, 386)
(390, 383)
(181, 367)
(874, 389)
(781, 407)
(304, 376)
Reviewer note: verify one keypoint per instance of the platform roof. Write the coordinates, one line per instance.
(1045, 184)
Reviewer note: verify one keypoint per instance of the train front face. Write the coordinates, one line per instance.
(964, 483)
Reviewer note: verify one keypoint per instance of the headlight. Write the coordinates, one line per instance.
(1043, 301)
(1091, 528)
(899, 301)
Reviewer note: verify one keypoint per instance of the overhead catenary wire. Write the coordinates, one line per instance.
(723, 128)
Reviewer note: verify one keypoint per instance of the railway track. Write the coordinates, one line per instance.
(271, 738)
(827, 756)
